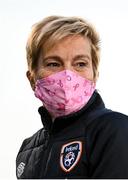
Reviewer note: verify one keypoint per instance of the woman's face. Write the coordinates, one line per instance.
(71, 53)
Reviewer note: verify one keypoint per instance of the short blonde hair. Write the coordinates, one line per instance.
(51, 29)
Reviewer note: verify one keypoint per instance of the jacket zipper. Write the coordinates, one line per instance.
(48, 144)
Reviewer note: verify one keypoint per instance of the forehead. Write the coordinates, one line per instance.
(77, 44)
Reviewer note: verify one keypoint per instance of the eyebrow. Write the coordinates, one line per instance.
(81, 56)
(58, 58)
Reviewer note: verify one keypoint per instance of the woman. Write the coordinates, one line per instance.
(80, 137)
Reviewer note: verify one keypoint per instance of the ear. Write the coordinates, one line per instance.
(31, 79)
(96, 78)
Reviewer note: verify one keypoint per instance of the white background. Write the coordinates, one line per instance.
(18, 106)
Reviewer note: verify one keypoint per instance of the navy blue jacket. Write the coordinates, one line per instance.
(91, 143)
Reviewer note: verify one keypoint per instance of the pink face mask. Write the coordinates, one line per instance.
(64, 92)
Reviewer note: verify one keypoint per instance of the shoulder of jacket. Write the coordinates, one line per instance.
(115, 118)
(112, 122)
(109, 127)
(32, 142)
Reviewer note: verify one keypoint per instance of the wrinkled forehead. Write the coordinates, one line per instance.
(52, 42)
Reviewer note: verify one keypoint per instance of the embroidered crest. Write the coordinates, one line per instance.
(70, 155)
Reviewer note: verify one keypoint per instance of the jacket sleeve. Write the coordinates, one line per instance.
(108, 156)
(23, 170)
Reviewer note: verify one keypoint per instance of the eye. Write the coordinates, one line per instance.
(81, 64)
(53, 64)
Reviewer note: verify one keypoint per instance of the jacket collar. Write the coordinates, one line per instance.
(62, 122)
